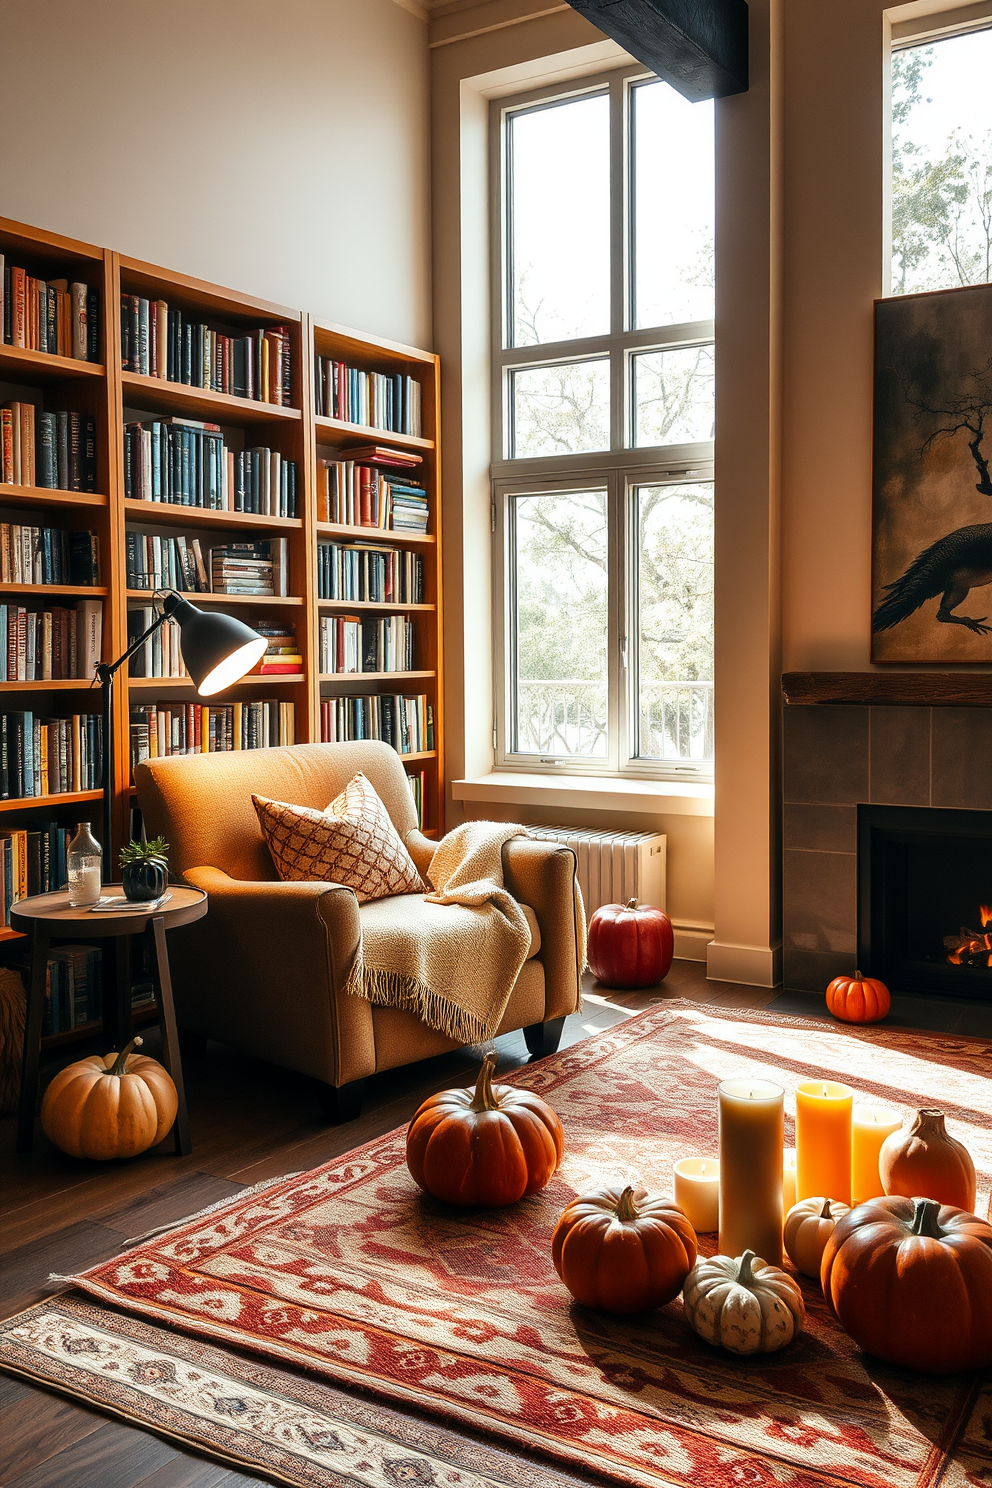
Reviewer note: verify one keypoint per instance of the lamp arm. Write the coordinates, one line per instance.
(105, 671)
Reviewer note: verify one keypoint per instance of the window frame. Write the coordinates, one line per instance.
(619, 469)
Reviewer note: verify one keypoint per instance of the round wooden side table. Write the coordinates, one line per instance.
(48, 917)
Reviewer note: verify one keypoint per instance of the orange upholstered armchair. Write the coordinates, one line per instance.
(265, 970)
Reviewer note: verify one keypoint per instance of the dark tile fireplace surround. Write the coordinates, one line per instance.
(856, 747)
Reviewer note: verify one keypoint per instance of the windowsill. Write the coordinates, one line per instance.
(590, 793)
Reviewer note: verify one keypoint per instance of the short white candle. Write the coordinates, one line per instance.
(697, 1192)
(788, 1179)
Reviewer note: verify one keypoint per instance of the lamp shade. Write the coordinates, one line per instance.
(217, 649)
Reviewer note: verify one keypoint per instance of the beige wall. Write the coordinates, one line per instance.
(278, 148)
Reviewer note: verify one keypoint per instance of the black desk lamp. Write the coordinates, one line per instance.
(217, 651)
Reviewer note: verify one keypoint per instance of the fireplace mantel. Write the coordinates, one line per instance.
(896, 689)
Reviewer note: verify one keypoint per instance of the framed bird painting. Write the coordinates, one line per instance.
(932, 485)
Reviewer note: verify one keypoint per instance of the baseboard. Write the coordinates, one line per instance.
(691, 941)
(756, 966)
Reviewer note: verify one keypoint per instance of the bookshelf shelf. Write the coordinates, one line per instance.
(383, 535)
(112, 396)
(337, 431)
(6, 933)
(64, 798)
(195, 516)
(367, 604)
(192, 402)
(84, 591)
(19, 365)
(237, 599)
(11, 495)
(373, 676)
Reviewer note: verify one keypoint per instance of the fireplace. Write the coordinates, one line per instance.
(925, 899)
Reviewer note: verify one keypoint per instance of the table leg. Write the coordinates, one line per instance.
(171, 1057)
(32, 1039)
(123, 1016)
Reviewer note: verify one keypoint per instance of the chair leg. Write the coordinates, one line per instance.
(340, 1103)
(544, 1038)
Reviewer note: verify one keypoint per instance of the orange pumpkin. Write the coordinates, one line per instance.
(911, 1281)
(925, 1159)
(489, 1146)
(858, 999)
(111, 1105)
(623, 1254)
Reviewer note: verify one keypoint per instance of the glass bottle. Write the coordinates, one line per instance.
(85, 860)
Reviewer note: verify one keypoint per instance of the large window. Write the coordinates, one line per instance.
(603, 427)
(942, 162)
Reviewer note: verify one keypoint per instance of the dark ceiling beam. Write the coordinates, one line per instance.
(699, 46)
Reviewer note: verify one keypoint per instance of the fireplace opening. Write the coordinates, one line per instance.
(925, 899)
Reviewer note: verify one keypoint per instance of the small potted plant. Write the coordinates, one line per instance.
(145, 869)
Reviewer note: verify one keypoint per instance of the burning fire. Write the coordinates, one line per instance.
(972, 947)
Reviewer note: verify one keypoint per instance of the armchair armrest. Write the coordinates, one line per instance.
(268, 969)
(542, 874)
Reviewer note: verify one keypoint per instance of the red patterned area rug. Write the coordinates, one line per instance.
(350, 1273)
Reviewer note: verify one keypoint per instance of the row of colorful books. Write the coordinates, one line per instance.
(155, 562)
(160, 341)
(51, 315)
(362, 496)
(73, 989)
(50, 645)
(160, 729)
(417, 781)
(32, 862)
(186, 462)
(379, 400)
(55, 451)
(407, 723)
(349, 643)
(366, 571)
(49, 756)
(161, 654)
(48, 555)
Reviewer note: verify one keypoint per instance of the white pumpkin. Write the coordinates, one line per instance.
(742, 1305)
(808, 1226)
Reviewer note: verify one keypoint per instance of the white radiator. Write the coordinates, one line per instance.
(614, 866)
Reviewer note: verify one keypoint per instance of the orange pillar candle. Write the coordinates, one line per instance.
(823, 1140)
(788, 1179)
(870, 1127)
(697, 1192)
(751, 1123)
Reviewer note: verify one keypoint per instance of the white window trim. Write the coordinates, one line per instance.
(617, 470)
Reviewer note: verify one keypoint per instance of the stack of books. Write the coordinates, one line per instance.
(73, 988)
(54, 316)
(186, 462)
(369, 644)
(32, 862)
(250, 568)
(379, 400)
(161, 655)
(48, 555)
(283, 657)
(55, 451)
(155, 562)
(160, 729)
(50, 645)
(49, 756)
(157, 341)
(407, 723)
(370, 572)
(409, 507)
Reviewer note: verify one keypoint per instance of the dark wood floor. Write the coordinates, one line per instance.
(250, 1121)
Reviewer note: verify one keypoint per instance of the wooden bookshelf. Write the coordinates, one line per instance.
(112, 396)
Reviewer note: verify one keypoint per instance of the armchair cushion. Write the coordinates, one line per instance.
(353, 843)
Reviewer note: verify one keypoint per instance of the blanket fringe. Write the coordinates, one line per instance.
(392, 989)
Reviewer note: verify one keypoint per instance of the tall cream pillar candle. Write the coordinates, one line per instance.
(751, 1125)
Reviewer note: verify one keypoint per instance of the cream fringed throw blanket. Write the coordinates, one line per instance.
(451, 956)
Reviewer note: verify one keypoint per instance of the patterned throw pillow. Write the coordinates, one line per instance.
(353, 843)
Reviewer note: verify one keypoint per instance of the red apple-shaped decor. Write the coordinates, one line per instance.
(630, 945)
